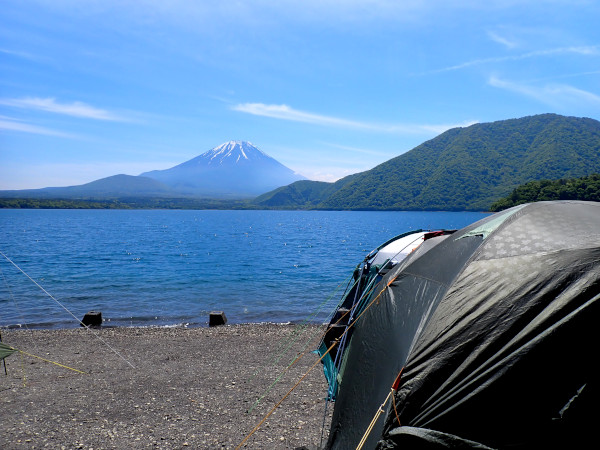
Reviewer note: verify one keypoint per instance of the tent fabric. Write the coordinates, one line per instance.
(5, 350)
(366, 276)
(485, 227)
(495, 333)
(422, 438)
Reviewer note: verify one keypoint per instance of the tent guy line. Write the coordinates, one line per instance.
(9, 349)
(381, 410)
(66, 309)
(341, 318)
(284, 345)
(256, 428)
(300, 330)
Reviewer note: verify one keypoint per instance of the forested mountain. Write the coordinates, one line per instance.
(584, 188)
(461, 169)
(302, 194)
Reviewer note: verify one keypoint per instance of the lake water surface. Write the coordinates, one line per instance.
(169, 267)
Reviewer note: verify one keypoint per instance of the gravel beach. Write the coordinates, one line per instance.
(166, 388)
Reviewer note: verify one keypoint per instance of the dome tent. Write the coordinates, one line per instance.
(493, 329)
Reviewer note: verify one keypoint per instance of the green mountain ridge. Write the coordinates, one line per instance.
(463, 169)
(302, 194)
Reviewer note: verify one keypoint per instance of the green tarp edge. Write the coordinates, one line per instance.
(6, 350)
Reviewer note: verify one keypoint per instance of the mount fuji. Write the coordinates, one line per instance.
(233, 169)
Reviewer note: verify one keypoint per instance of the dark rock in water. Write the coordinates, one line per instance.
(92, 319)
(216, 318)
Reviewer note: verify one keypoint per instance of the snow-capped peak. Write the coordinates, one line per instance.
(233, 151)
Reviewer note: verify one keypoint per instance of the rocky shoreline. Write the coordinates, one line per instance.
(163, 388)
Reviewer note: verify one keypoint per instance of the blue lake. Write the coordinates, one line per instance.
(169, 267)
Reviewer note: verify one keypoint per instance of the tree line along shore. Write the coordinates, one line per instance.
(584, 188)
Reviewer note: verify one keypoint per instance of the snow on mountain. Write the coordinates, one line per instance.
(233, 151)
(232, 169)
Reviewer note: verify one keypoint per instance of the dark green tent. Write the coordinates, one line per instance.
(494, 329)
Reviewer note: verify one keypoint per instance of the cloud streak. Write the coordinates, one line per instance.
(356, 150)
(556, 95)
(501, 40)
(22, 55)
(590, 50)
(285, 112)
(73, 109)
(9, 124)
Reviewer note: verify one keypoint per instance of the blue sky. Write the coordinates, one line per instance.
(90, 89)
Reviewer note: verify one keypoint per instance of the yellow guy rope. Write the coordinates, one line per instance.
(255, 429)
(294, 361)
(280, 354)
(47, 360)
(51, 362)
(380, 411)
(23, 370)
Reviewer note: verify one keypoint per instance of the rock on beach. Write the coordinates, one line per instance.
(163, 388)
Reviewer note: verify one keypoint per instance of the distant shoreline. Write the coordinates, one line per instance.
(125, 203)
(183, 326)
(171, 204)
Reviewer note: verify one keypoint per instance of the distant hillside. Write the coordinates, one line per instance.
(461, 169)
(584, 188)
(302, 194)
(115, 186)
(232, 171)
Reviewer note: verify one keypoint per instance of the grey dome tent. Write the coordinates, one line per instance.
(490, 334)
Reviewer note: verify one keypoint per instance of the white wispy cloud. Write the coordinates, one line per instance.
(255, 12)
(567, 75)
(74, 109)
(553, 94)
(356, 149)
(22, 54)
(285, 112)
(329, 173)
(590, 50)
(8, 124)
(501, 39)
